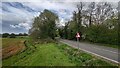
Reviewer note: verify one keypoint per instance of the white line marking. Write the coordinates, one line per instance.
(106, 50)
(93, 53)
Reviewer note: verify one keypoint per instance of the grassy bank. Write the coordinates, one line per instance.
(43, 55)
(52, 54)
(81, 58)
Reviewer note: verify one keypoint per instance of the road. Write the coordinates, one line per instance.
(107, 53)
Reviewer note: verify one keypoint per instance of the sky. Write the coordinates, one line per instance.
(18, 16)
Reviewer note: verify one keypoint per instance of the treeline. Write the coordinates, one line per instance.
(12, 35)
(97, 23)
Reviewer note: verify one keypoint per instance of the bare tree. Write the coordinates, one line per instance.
(103, 11)
(91, 8)
(79, 15)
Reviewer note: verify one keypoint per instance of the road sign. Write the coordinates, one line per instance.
(78, 35)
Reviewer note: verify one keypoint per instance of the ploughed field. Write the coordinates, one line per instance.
(18, 53)
(11, 46)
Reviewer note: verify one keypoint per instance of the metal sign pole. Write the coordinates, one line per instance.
(78, 42)
(78, 36)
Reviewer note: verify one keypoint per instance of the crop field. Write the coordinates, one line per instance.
(6, 42)
(53, 54)
(11, 46)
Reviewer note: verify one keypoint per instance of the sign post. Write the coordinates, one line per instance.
(78, 36)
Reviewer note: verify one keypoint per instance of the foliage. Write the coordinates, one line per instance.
(22, 34)
(118, 28)
(102, 34)
(12, 35)
(4, 35)
(44, 26)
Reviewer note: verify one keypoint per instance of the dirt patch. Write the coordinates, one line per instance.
(12, 50)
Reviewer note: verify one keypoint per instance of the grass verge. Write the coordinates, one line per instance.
(53, 54)
(81, 58)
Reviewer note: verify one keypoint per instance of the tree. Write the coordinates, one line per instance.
(4, 35)
(44, 25)
(90, 10)
(20, 34)
(12, 35)
(79, 16)
(75, 25)
(60, 30)
(25, 34)
(103, 11)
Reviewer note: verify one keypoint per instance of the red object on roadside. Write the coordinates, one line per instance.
(78, 35)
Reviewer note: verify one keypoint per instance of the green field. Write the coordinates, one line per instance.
(53, 54)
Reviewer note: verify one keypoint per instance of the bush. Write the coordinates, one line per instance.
(101, 34)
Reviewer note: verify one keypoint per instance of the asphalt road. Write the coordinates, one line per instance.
(107, 53)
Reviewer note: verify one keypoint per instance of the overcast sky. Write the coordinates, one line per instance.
(17, 16)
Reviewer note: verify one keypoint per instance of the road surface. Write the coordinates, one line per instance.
(101, 51)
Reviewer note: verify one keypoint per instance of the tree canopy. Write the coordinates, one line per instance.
(44, 26)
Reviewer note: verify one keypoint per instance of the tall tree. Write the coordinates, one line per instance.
(79, 16)
(44, 25)
(103, 11)
(91, 8)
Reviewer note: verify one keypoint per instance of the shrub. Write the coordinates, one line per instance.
(101, 34)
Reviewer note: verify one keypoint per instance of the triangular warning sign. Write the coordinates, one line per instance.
(78, 35)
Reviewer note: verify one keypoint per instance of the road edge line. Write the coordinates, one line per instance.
(93, 53)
